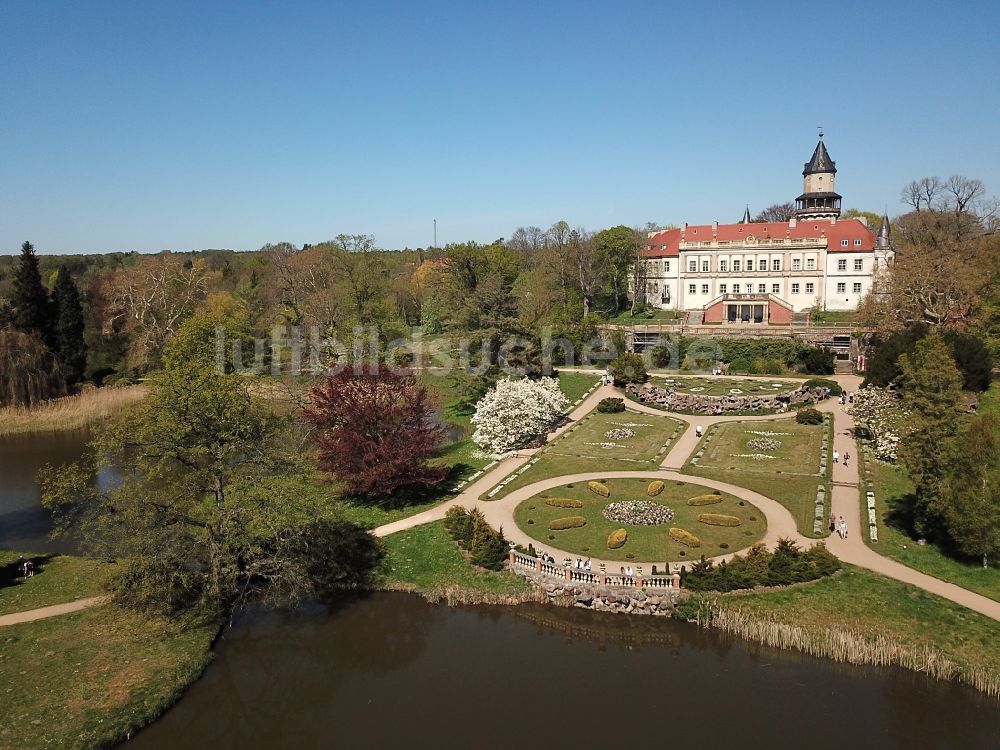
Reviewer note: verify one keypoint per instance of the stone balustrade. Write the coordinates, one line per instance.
(522, 562)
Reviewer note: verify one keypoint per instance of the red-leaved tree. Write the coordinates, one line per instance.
(376, 431)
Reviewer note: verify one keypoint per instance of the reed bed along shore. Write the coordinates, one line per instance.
(849, 647)
(71, 412)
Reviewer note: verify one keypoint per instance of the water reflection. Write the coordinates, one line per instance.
(390, 670)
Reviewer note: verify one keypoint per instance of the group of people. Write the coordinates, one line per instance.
(847, 457)
(839, 525)
(25, 567)
(627, 572)
(845, 398)
(582, 564)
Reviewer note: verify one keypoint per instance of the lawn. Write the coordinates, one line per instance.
(88, 678)
(891, 486)
(425, 558)
(651, 316)
(57, 579)
(878, 609)
(720, 386)
(791, 477)
(575, 384)
(580, 448)
(645, 543)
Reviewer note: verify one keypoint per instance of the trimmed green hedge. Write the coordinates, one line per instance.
(719, 519)
(563, 502)
(567, 522)
(599, 488)
(710, 499)
(617, 538)
(655, 488)
(684, 537)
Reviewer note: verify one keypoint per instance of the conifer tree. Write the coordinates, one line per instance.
(31, 302)
(973, 489)
(67, 337)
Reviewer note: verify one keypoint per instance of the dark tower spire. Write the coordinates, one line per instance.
(746, 215)
(819, 200)
(883, 239)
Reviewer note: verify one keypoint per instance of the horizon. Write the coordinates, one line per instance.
(191, 128)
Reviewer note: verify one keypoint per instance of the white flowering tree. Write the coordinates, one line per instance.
(881, 412)
(514, 411)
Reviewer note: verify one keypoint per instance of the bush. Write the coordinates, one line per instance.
(611, 405)
(617, 538)
(655, 488)
(833, 385)
(771, 367)
(684, 537)
(741, 365)
(628, 368)
(816, 361)
(809, 416)
(663, 357)
(567, 522)
(563, 502)
(709, 499)
(458, 524)
(719, 519)
(599, 488)
(759, 567)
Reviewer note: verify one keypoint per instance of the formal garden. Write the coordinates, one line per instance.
(716, 386)
(641, 520)
(782, 459)
(626, 440)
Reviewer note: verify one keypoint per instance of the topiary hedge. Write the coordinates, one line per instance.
(611, 405)
(563, 502)
(710, 499)
(833, 385)
(809, 416)
(719, 519)
(684, 537)
(599, 488)
(567, 522)
(655, 488)
(617, 538)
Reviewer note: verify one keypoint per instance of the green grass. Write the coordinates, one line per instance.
(989, 402)
(873, 606)
(575, 384)
(784, 479)
(426, 558)
(57, 579)
(833, 316)
(652, 316)
(86, 679)
(572, 453)
(645, 543)
(891, 486)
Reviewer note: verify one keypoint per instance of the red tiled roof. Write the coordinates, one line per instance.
(667, 244)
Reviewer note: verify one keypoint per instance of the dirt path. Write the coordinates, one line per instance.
(53, 610)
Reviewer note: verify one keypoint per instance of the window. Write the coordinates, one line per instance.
(666, 266)
(795, 288)
(796, 265)
(722, 288)
(736, 265)
(750, 264)
(841, 287)
(842, 264)
(844, 243)
(776, 264)
(810, 287)
(857, 243)
(692, 266)
(762, 288)
(704, 266)
(692, 289)
(723, 266)
(810, 264)
(859, 264)
(857, 287)
(704, 288)
(775, 288)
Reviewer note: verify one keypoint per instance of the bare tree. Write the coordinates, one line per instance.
(922, 194)
(777, 212)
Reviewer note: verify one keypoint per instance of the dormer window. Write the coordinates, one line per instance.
(843, 243)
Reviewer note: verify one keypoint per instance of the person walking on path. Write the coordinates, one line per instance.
(833, 522)
(836, 456)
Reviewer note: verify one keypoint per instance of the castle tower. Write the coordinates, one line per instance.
(883, 244)
(819, 200)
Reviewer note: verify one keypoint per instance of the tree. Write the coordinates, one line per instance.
(627, 368)
(872, 219)
(32, 313)
(214, 508)
(971, 356)
(777, 212)
(29, 373)
(69, 326)
(618, 248)
(376, 432)
(514, 411)
(972, 486)
(932, 394)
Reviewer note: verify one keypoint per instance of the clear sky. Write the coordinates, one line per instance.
(187, 125)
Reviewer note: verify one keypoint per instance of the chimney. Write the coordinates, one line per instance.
(791, 223)
(715, 227)
(833, 220)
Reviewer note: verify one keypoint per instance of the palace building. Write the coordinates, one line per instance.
(766, 272)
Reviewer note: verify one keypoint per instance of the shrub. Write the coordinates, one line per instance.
(757, 567)
(809, 416)
(709, 499)
(564, 502)
(833, 385)
(741, 364)
(599, 488)
(628, 368)
(490, 550)
(655, 488)
(611, 405)
(816, 361)
(617, 538)
(567, 522)
(719, 519)
(458, 524)
(684, 537)
(771, 367)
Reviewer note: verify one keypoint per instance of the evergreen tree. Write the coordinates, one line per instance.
(31, 302)
(68, 334)
(973, 489)
(932, 393)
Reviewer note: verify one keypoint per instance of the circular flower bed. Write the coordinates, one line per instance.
(619, 433)
(736, 390)
(763, 444)
(637, 513)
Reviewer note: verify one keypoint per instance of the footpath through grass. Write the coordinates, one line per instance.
(58, 579)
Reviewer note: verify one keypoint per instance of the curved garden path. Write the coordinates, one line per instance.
(30, 615)
(845, 498)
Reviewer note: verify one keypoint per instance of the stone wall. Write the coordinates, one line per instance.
(602, 598)
(672, 400)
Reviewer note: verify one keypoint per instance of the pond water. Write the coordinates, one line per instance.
(390, 670)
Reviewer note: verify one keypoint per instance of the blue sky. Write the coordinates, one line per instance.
(142, 126)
